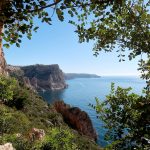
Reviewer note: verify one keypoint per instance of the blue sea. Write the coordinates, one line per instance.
(82, 91)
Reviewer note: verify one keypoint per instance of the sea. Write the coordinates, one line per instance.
(82, 91)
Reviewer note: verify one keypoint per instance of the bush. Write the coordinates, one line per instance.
(58, 139)
(19, 143)
(12, 94)
(7, 86)
(12, 121)
(19, 97)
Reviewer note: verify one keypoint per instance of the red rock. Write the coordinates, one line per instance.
(77, 119)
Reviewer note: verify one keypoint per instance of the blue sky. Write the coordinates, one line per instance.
(58, 44)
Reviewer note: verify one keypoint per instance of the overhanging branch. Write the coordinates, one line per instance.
(47, 6)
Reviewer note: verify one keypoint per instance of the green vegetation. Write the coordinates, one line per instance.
(6, 87)
(59, 139)
(26, 110)
(120, 22)
(12, 121)
(126, 118)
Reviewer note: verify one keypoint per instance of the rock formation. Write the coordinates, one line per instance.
(40, 77)
(2, 63)
(37, 134)
(7, 146)
(3, 5)
(2, 59)
(77, 119)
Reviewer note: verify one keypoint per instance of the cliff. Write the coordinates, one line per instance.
(40, 77)
(69, 76)
(77, 119)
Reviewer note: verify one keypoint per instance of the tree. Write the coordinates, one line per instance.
(126, 118)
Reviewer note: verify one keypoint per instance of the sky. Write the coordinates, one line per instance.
(58, 44)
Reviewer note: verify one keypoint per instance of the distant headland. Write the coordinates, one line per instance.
(69, 76)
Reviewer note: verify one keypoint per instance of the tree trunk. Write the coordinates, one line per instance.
(2, 59)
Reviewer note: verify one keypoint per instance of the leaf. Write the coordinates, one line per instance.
(35, 29)
(6, 45)
(17, 44)
(60, 14)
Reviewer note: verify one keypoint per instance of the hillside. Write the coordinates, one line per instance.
(28, 122)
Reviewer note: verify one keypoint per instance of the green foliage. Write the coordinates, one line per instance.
(125, 23)
(57, 139)
(11, 93)
(144, 67)
(12, 121)
(126, 118)
(7, 86)
(16, 24)
(65, 139)
(19, 98)
(121, 24)
(20, 143)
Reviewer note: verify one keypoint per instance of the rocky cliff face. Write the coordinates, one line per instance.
(77, 119)
(3, 70)
(40, 77)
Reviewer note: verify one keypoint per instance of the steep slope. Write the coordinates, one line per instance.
(28, 123)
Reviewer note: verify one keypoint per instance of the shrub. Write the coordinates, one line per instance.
(12, 121)
(7, 86)
(19, 97)
(58, 139)
(126, 118)
(19, 143)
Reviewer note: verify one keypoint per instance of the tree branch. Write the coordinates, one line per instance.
(47, 6)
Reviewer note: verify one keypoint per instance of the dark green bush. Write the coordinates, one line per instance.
(13, 121)
(19, 98)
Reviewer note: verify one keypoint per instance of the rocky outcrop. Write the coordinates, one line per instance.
(37, 134)
(45, 77)
(40, 77)
(77, 119)
(7, 146)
